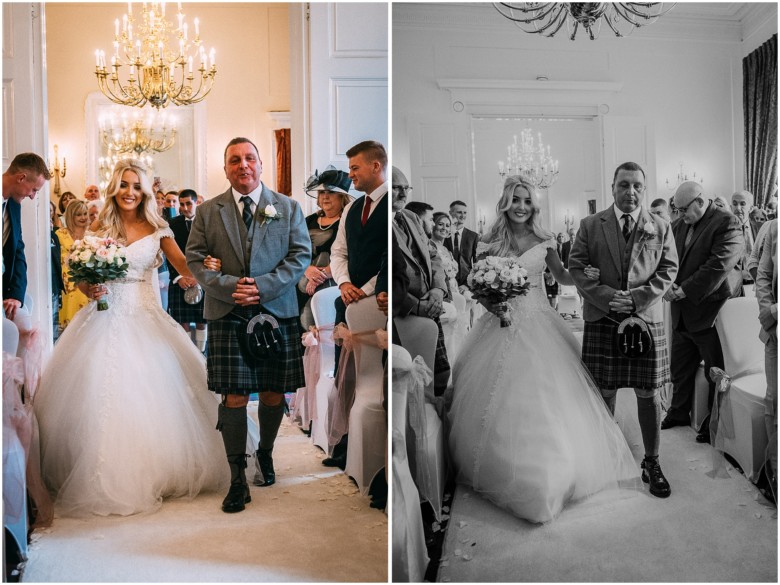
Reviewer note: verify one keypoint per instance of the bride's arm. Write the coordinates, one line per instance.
(172, 252)
(556, 267)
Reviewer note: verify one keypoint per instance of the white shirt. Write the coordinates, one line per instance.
(339, 256)
(619, 214)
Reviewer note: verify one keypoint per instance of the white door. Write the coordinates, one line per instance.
(339, 85)
(24, 130)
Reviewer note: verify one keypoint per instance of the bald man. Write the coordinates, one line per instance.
(401, 189)
(92, 193)
(709, 242)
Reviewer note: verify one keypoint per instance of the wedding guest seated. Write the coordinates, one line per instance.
(92, 193)
(77, 221)
(771, 208)
(171, 205)
(65, 198)
(757, 217)
(427, 285)
(331, 188)
(441, 231)
(94, 206)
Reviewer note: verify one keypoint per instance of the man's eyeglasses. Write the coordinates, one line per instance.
(401, 189)
(685, 209)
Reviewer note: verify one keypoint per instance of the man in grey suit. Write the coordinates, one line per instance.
(261, 238)
(634, 251)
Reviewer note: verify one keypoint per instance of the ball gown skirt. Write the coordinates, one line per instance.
(124, 413)
(528, 428)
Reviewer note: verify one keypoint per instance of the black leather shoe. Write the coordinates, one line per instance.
(340, 462)
(266, 464)
(237, 497)
(703, 436)
(652, 474)
(668, 423)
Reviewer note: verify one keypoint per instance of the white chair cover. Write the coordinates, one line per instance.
(429, 463)
(737, 423)
(324, 313)
(410, 557)
(367, 445)
(10, 337)
(14, 458)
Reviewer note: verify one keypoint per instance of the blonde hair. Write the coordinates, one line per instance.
(500, 236)
(72, 209)
(111, 224)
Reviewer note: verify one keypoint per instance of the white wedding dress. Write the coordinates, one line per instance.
(124, 413)
(528, 428)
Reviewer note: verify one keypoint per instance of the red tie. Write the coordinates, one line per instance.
(366, 209)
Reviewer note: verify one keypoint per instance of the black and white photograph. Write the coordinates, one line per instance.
(584, 292)
(195, 292)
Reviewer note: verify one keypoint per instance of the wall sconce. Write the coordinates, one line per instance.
(58, 172)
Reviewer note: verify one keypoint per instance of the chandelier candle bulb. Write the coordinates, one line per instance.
(197, 28)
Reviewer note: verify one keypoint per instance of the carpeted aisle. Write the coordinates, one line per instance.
(313, 525)
(706, 531)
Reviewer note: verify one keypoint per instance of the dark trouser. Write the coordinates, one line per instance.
(688, 350)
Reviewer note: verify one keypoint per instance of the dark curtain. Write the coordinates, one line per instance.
(283, 172)
(759, 96)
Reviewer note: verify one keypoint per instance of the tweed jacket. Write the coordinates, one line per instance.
(281, 251)
(652, 264)
(766, 284)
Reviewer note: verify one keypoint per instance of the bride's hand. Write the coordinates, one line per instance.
(94, 291)
(210, 263)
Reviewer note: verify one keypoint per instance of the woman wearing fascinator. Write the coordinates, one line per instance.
(331, 188)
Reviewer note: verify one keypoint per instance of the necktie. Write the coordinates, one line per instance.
(188, 223)
(366, 209)
(246, 213)
(626, 226)
(746, 233)
(456, 248)
(689, 235)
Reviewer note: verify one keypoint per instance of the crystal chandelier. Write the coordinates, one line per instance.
(530, 160)
(681, 177)
(157, 55)
(124, 134)
(106, 166)
(547, 18)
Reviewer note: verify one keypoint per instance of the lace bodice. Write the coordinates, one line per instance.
(533, 260)
(135, 290)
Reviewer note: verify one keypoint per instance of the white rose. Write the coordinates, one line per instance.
(270, 211)
(479, 278)
(506, 274)
(490, 276)
(85, 256)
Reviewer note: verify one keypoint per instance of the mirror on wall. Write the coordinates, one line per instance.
(179, 158)
(573, 141)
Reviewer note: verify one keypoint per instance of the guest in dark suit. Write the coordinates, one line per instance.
(741, 206)
(260, 237)
(660, 207)
(462, 243)
(634, 251)
(566, 249)
(709, 243)
(181, 311)
(24, 177)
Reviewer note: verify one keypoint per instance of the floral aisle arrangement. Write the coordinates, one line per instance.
(498, 279)
(97, 260)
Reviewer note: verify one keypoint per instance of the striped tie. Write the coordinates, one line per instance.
(246, 213)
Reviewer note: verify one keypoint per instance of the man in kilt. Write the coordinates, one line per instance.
(181, 311)
(260, 236)
(636, 255)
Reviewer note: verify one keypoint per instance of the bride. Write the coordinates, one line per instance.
(529, 430)
(124, 414)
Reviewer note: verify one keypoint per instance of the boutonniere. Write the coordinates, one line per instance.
(270, 214)
(649, 229)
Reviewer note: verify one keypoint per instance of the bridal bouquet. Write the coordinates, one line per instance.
(498, 279)
(97, 260)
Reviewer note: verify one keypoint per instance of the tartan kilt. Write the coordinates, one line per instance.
(611, 370)
(180, 310)
(441, 363)
(229, 374)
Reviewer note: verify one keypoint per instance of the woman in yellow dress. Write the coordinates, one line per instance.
(77, 220)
